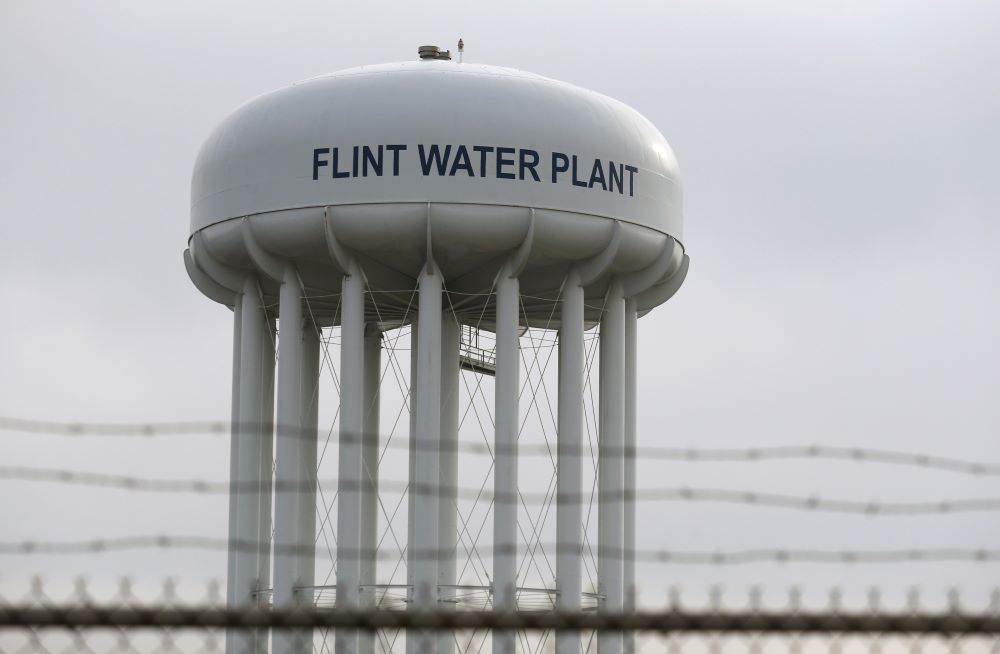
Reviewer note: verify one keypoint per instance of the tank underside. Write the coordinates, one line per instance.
(468, 243)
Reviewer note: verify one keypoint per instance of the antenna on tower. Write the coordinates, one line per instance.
(461, 49)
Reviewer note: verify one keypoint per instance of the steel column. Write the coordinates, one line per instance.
(424, 486)
(310, 432)
(369, 472)
(411, 498)
(610, 521)
(352, 411)
(249, 526)
(505, 452)
(448, 501)
(233, 637)
(569, 460)
(629, 480)
(234, 454)
(289, 470)
(265, 471)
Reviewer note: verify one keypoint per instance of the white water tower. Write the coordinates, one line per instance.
(453, 200)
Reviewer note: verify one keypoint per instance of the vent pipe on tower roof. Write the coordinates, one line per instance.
(433, 52)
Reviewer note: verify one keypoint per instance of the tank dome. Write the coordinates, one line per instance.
(433, 159)
(437, 131)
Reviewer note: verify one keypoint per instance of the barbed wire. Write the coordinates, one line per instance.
(672, 621)
(693, 557)
(690, 455)
(53, 428)
(677, 494)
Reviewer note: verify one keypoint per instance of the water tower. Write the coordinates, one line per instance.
(452, 200)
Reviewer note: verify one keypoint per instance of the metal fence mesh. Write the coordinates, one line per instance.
(121, 620)
(130, 616)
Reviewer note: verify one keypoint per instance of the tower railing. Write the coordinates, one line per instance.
(466, 597)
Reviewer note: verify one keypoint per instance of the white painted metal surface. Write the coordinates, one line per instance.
(307, 497)
(352, 420)
(629, 484)
(288, 468)
(505, 453)
(569, 512)
(250, 566)
(432, 175)
(610, 518)
(233, 558)
(448, 461)
(274, 138)
(236, 587)
(370, 474)
(424, 485)
(411, 499)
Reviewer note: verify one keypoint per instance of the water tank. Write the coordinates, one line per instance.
(458, 160)
(441, 199)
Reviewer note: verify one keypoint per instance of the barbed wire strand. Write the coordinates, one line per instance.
(677, 494)
(691, 455)
(693, 557)
(672, 621)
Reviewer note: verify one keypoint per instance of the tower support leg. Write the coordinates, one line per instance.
(289, 472)
(630, 445)
(505, 451)
(610, 466)
(233, 560)
(352, 411)
(448, 502)
(425, 484)
(411, 498)
(250, 472)
(369, 486)
(569, 475)
(265, 473)
(310, 432)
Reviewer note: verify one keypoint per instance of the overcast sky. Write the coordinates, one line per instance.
(842, 185)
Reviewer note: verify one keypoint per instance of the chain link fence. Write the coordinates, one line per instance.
(122, 622)
(129, 617)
